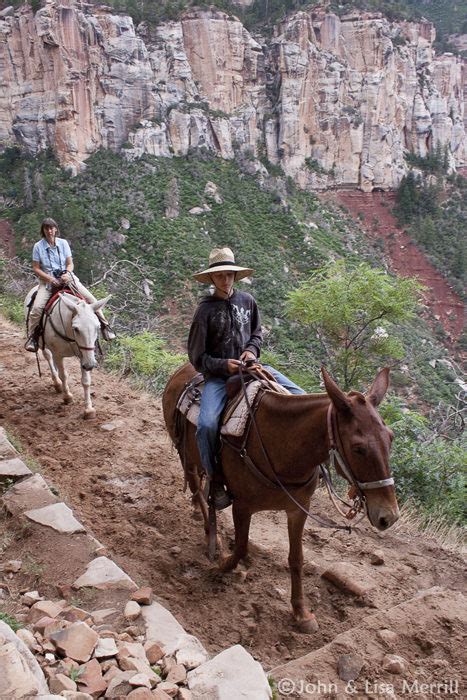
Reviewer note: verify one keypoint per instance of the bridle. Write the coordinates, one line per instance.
(336, 452)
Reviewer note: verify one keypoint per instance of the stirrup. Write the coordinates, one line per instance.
(32, 342)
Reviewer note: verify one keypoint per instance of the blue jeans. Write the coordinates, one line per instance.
(212, 404)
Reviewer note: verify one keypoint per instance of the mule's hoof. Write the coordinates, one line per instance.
(67, 399)
(89, 415)
(307, 626)
(227, 564)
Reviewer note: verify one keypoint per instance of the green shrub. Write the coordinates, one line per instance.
(12, 308)
(10, 621)
(428, 469)
(354, 311)
(313, 165)
(145, 358)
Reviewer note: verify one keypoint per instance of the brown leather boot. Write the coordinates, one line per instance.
(221, 497)
(107, 332)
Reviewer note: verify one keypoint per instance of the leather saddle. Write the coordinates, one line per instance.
(236, 413)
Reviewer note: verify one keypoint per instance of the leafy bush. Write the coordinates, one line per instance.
(10, 621)
(144, 357)
(12, 308)
(313, 165)
(428, 469)
(353, 311)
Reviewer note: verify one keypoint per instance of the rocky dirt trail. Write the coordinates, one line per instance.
(123, 481)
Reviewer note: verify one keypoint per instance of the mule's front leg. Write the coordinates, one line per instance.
(242, 519)
(305, 620)
(89, 410)
(59, 363)
(53, 370)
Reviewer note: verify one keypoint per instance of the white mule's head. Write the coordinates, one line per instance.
(85, 328)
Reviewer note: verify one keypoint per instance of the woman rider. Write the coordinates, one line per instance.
(52, 264)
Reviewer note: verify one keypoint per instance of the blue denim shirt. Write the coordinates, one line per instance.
(50, 257)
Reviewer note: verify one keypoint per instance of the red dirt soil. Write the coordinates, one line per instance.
(7, 239)
(372, 211)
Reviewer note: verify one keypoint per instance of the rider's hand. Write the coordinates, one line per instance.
(247, 355)
(232, 366)
(55, 282)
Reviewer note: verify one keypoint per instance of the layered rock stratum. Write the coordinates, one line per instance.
(334, 101)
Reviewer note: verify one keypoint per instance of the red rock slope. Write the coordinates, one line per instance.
(373, 211)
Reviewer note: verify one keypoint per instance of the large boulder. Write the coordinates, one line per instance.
(20, 674)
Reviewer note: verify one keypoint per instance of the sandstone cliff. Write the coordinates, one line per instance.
(334, 101)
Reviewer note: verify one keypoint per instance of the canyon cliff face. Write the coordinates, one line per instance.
(333, 101)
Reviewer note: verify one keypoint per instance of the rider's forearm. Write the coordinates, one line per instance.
(44, 276)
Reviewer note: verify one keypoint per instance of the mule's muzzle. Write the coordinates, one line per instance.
(88, 366)
(383, 517)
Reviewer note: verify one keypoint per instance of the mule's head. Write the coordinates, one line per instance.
(365, 442)
(85, 328)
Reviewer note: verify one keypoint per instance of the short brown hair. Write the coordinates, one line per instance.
(48, 222)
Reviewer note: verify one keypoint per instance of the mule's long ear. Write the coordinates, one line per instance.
(379, 387)
(340, 400)
(68, 303)
(99, 304)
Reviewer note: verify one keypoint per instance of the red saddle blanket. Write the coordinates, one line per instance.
(57, 294)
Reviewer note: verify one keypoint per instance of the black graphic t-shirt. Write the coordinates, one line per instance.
(221, 330)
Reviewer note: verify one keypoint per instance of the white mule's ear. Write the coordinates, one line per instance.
(68, 303)
(99, 304)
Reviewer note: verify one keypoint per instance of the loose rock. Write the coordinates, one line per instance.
(77, 641)
(349, 666)
(377, 557)
(394, 664)
(132, 610)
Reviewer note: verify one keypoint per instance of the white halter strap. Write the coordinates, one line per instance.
(335, 456)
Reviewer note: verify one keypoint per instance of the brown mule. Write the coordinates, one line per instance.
(295, 440)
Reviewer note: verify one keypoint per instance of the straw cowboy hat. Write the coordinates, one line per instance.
(222, 260)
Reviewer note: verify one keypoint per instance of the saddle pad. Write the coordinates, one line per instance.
(188, 403)
(236, 414)
(56, 295)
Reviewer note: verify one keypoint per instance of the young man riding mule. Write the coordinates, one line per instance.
(52, 263)
(225, 332)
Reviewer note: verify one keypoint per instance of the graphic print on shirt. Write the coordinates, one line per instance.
(242, 316)
(221, 328)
